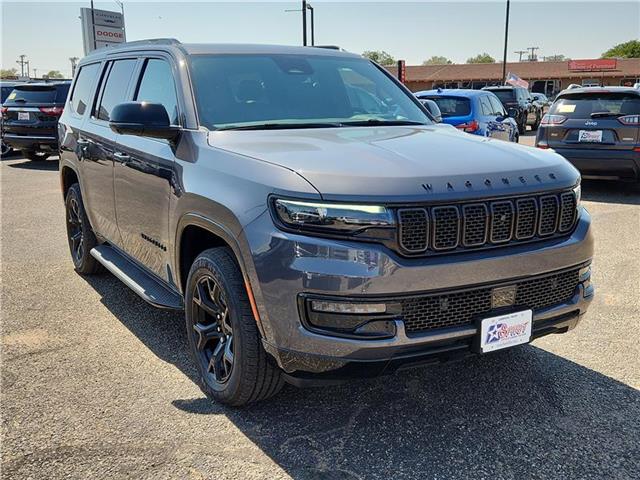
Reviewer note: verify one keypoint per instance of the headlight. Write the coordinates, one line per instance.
(577, 191)
(333, 218)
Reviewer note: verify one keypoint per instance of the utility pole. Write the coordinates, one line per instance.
(506, 38)
(520, 53)
(74, 62)
(304, 23)
(28, 73)
(21, 62)
(35, 72)
(532, 55)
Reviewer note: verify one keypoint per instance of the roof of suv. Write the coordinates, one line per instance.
(219, 48)
(452, 92)
(501, 87)
(572, 91)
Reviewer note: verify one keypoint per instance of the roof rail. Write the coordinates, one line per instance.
(155, 41)
(328, 47)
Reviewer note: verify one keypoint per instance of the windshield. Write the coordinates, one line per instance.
(236, 91)
(452, 106)
(583, 105)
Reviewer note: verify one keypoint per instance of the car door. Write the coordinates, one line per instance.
(504, 125)
(144, 171)
(96, 142)
(488, 119)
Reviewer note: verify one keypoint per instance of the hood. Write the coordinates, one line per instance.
(400, 163)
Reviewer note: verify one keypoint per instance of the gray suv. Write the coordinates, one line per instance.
(309, 218)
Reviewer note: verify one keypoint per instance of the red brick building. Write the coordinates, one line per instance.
(544, 77)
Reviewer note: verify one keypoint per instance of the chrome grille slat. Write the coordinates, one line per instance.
(485, 224)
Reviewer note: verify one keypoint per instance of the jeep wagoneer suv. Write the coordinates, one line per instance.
(311, 221)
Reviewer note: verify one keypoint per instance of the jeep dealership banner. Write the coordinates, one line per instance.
(101, 28)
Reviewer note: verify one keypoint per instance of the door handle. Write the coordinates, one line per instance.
(122, 157)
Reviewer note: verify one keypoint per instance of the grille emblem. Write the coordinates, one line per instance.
(444, 304)
(503, 296)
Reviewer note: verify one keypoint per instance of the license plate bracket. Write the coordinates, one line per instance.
(23, 116)
(504, 331)
(590, 136)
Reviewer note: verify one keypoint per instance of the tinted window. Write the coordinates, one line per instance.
(233, 90)
(506, 95)
(452, 106)
(582, 105)
(157, 86)
(5, 93)
(115, 89)
(496, 106)
(81, 96)
(32, 94)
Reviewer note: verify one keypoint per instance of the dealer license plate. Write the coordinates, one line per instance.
(505, 331)
(593, 136)
(23, 115)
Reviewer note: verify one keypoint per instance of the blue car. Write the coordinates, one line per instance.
(478, 112)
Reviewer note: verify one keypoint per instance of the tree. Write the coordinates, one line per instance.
(8, 72)
(481, 58)
(379, 56)
(437, 60)
(555, 58)
(53, 74)
(630, 49)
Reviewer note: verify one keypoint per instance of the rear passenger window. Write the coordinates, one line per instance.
(496, 106)
(486, 106)
(157, 86)
(115, 90)
(81, 95)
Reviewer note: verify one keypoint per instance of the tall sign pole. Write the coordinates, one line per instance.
(506, 38)
(93, 22)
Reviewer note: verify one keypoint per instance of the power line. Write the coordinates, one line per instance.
(532, 55)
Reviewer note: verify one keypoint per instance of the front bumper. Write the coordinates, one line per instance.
(604, 164)
(286, 265)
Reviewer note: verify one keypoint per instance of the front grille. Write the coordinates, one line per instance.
(446, 228)
(462, 308)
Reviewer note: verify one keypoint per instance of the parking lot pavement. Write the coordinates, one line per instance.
(96, 384)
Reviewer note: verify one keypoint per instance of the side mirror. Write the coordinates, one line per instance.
(512, 112)
(433, 109)
(142, 119)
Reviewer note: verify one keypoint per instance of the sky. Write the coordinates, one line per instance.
(413, 31)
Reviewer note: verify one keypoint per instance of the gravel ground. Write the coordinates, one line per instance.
(96, 384)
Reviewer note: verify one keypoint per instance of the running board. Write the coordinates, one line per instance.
(137, 279)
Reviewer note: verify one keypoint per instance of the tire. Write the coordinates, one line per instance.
(220, 326)
(35, 155)
(79, 233)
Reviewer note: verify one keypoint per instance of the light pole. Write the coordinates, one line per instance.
(313, 28)
(506, 38)
(306, 6)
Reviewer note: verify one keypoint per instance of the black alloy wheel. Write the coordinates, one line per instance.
(79, 233)
(213, 330)
(223, 334)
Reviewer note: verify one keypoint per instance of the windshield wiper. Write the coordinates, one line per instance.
(604, 114)
(280, 126)
(377, 122)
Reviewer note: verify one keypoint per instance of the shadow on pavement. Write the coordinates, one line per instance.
(607, 191)
(51, 164)
(524, 413)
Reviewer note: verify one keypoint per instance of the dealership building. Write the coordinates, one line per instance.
(543, 77)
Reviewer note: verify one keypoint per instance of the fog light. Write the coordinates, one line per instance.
(584, 273)
(348, 308)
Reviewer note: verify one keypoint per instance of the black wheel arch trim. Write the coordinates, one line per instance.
(220, 230)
